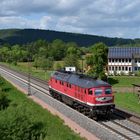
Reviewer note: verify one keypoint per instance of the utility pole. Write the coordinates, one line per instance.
(29, 72)
(82, 65)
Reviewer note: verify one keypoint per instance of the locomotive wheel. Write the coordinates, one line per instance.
(108, 115)
(59, 98)
(80, 108)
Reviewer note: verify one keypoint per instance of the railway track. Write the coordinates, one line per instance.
(123, 127)
(120, 125)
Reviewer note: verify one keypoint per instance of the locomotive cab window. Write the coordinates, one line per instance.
(98, 91)
(90, 92)
(108, 91)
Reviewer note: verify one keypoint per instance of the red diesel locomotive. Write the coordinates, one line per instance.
(88, 95)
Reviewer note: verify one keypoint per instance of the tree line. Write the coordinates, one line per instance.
(43, 54)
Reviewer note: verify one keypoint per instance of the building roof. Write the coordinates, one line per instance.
(79, 80)
(117, 52)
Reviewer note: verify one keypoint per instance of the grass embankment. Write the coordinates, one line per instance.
(128, 101)
(55, 129)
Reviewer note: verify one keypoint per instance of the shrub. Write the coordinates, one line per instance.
(57, 66)
(137, 73)
(4, 101)
(122, 73)
(103, 77)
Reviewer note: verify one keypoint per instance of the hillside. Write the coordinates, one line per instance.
(23, 36)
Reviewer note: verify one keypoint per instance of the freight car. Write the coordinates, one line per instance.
(88, 95)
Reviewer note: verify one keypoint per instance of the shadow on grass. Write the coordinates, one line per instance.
(5, 89)
(112, 81)
(4, 101)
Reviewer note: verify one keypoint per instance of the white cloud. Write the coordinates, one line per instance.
(120, 18)
(44, 22)
(17, 22)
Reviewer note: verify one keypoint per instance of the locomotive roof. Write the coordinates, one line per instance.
(79, 80)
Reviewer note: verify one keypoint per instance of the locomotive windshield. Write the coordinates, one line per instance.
(98, 91)
(108, 91)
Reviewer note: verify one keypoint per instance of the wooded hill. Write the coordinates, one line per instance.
(23, 36)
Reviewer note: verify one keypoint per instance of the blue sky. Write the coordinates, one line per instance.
(113, 18)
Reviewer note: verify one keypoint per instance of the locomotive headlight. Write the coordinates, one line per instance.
(103, 99)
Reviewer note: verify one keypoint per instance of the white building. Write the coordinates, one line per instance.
(123, 60)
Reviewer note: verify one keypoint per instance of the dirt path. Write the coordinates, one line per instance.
(123, 89)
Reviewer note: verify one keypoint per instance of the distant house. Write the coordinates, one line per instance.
(123, 60)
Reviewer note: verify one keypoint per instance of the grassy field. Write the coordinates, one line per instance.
(128, 101)
(123, 81)
(25, 68)
(53, 125)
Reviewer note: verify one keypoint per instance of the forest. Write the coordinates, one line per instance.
(24, 36)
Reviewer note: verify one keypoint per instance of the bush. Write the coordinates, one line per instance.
(4, 101)
(103, 77)
(122, 73)
(137, 73)
(130, 73)
(18, 124)
(1, 81)
(57, 66)
(115, 73)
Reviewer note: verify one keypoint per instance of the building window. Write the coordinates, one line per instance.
(112, 60)
(119, 60)
(126, 60)
(135, 60)
(129, 68)
(122, 68)
(112, 68)
(122, 60)
(109, 60)
(116, 60)
(129, 60)
(116, 68)
(126, 68)
(119, 68)
(109, 68)
(135, 68)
